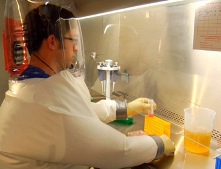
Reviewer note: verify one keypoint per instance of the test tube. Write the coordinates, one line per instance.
(151, 102)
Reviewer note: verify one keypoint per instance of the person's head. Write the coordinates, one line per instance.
(49, 21)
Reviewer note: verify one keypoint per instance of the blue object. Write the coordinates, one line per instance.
(33, 72)
(115, 75)
(101, 74)
(218, 162)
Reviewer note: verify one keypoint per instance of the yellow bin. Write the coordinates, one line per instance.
(156, 126)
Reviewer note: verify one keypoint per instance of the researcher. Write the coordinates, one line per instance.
(47, 119)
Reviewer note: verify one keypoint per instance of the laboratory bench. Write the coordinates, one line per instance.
(182, 159)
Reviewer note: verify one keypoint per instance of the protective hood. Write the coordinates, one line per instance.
(27, 23)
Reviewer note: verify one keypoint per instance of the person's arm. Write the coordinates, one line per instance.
(99, 145)
(47, 128)
(109, 110)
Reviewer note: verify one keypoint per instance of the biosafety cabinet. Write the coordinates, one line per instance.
(169, 51)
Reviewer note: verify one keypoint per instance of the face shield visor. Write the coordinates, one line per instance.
(72, 47)
(28, 23)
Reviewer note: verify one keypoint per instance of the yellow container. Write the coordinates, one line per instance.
(156, 126)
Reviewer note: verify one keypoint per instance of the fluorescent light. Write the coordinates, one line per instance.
(134, 7)
(38, 1)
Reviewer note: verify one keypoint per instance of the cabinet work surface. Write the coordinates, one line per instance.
(182, 159)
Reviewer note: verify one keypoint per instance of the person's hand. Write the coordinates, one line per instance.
(140, 105)
(169, 147)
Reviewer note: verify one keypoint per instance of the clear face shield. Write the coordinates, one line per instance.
(72, 52)
(28, 24)
(72, 46)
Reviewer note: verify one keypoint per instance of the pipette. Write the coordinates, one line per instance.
(102, 77)
(115, 76)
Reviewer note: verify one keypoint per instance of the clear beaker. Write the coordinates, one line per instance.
(198, 126)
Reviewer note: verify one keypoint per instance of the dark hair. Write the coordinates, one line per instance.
(41, 22)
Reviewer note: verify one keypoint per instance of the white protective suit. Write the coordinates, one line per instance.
(52, 124)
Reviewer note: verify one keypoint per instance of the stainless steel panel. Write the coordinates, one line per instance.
(155, 46)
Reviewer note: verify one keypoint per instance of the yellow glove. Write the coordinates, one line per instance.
(168, 145)
(139, 105)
